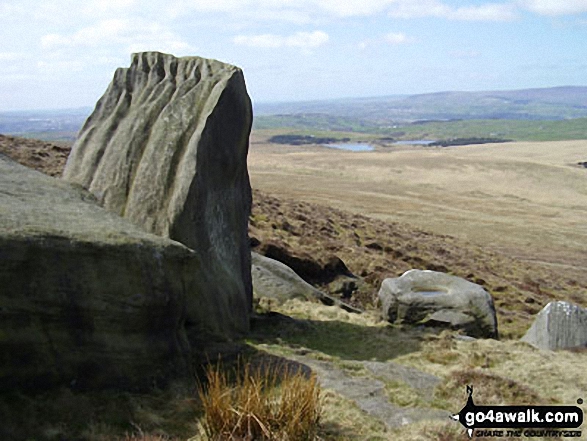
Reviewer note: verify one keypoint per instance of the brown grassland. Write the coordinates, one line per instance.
(525, 199)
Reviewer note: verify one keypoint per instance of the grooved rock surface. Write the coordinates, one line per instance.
(87, 299)
(560, 325)
(166, 148)
(438, 299)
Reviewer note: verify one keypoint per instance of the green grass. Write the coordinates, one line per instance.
(517, 130)
(311, 122)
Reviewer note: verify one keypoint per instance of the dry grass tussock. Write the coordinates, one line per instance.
(260, 404)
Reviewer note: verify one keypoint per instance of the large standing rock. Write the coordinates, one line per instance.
(166, 148)
(438, 299)
(87, 299)
(559, 325)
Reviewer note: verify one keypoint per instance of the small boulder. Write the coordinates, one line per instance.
(559, 325)
(438, 299)
(275, 280)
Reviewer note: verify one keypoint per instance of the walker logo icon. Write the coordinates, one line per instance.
(529, 421)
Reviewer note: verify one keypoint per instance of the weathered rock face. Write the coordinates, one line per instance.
(87, 299)
(166, 148)
(438, 299)
(560, 325)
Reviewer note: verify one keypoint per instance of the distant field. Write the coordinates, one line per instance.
(514, 129)
(517, 130)
(528, 199)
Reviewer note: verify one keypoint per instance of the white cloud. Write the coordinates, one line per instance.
(391, 38)
(218, 5)
(435, 8)
(305, 11)
(397, 38)
(109, 5)
(250, 11)
(555, 7)
(8, 10)
(307, 39)
(302, 40)
(420, 8)
(60, 65)
(348, 8)
(130, 34)
(61, 11)
(489, 12)
(11, 56)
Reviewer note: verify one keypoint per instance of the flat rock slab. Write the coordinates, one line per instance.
(369, 395)
(420, 381)
(560, 325)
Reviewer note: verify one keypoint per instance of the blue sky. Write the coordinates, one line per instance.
(62, 53)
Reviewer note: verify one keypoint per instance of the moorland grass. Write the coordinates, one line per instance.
(257, 404)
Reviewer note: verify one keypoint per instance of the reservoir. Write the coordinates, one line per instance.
(353, 147)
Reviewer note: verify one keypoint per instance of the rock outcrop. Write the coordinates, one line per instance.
(560, 325)
(438, 299)
(87, 299)
(166, 148)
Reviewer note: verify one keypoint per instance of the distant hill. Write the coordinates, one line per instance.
(555, 103)
(53, 125)
(496, 111)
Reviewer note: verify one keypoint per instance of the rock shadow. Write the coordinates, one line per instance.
(344, 340)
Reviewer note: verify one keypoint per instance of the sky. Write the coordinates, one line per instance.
(62, 53)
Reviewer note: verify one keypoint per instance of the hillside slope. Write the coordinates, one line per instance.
(314, 235)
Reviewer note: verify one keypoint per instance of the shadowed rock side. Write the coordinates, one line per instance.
(166, 148)
(87, 299)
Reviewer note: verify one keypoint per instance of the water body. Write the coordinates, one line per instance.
(356, 147)
(416, 142)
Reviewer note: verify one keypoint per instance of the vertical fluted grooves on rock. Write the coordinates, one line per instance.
(166, 148)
